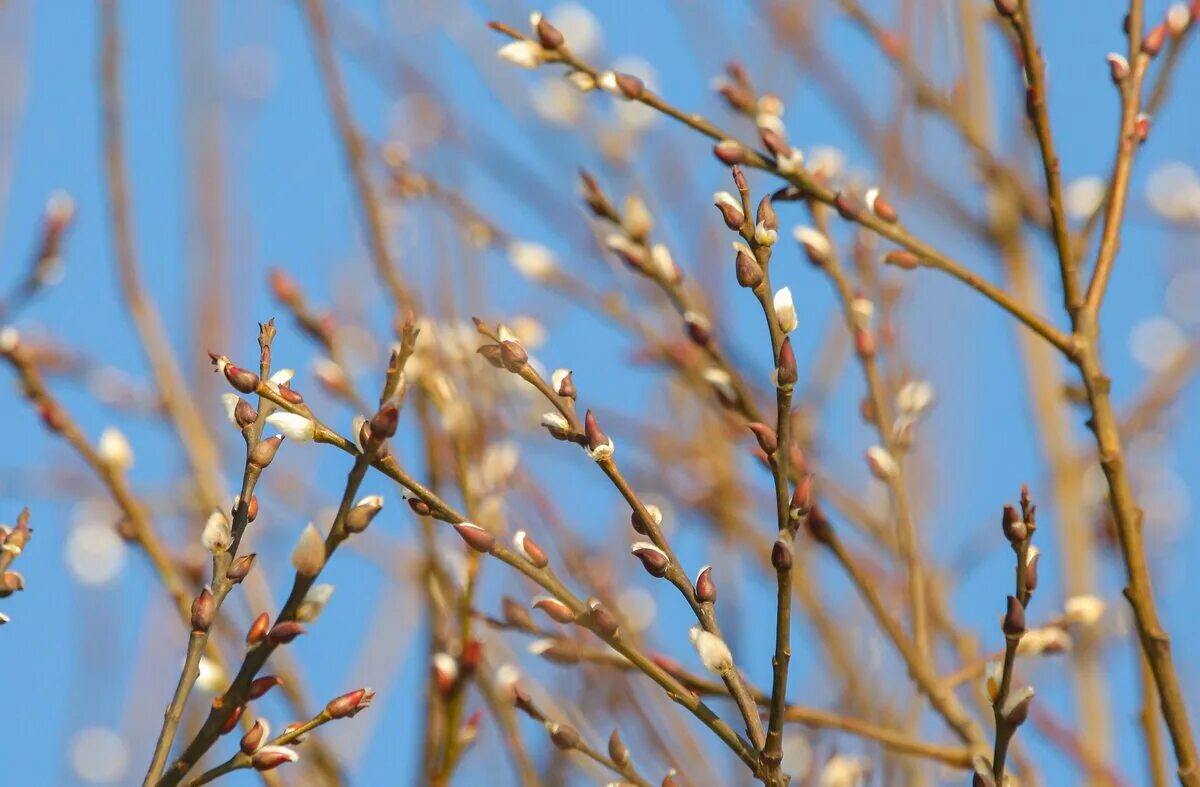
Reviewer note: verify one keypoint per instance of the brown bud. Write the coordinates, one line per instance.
(706, 589)
(270, 757)
(698, 328)
(1014, 618)
(513, 356)
(732, 215)
(786, 373)
(564, 736)
(654, 560)
(240, 568)
(618, 751)
(284, 632)
(290, 396)
(603, 620)
(515, 614)
(244, 413)
(1152, 44)
(260, 686)
(530, 549)
(258, 629)
(781, 553)
(359, 517)
(234, 717)
(471, 656)
(730, 152)
(555, 609)
(253, 739)
(350, 703)
(881, 207)
(632, 87)
(263, 453)
(768, 441)
(595, 199)
(1031, 572)
(419, 506)
(492, 353)
(241, 379)
(902, 259)
(749, 272)
(776, 143)
(818, 525)
(476, 537)
(204, 610)
(766, 213)
(384, 422)
(548, 35)
(802, 498)
(1013, 527)
(566, 387)
(844, 206)
(595, 436)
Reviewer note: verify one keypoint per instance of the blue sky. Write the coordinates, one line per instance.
(104, 655)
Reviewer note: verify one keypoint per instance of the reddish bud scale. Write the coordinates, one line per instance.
(271, 758)
(513, 356)
(884, 210)
(1006, 8)
(476, 537)
(385, 422)
(706, 589)
(347, 704)
(534, 552)
(864, 342)
(653, 560)
(632, 87)
(618, 751)
(748, 271)
(261, 686)
(290, 396)
(263, 453)
(555, 609)
(240, 568)
(1152, 44)
(844, 206)
(244, 413)
(471, 656)
(591, 429)
(818, 525)
(731, 215)
(515, 614)
(781, 553)
(774, 141)
(1014, 618)
(767, 439)
(419, 506)
(697, 331)
(602, 619)
(766, 213)
(566, 388)
(902, 259)
(258, 629)
(802, 497)
(241, 379)
(284, 632)
(730, 153)
(564, 736)
(253, 739)
(492, 354)
(204, 609)
(233, 720)
(786, 373)
(548, 35)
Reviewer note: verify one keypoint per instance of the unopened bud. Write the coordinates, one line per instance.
(308, 556)
(204, 610)
(271, 757)
(284, 632)
(241, 379)
(476, 537)
(1014, 618)
(706, 589)
(260, 686)
(258, 629)
(653, 559)
(731, 210)
(258, 734)
(263, 453)
(555, 609)
(350, 703)
(529, 548)
(240, 568)
(564, 736)
(363, 512)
